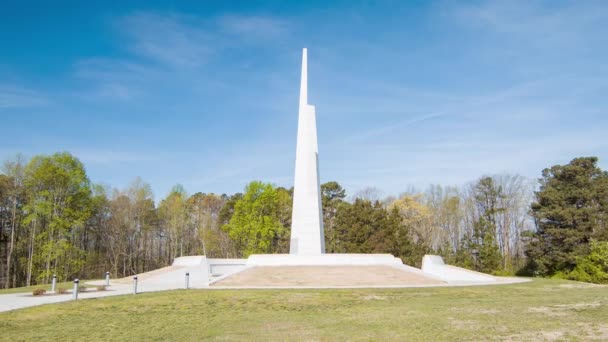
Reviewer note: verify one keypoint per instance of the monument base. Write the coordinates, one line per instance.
(434, 265)
(307, 271)
(323, 260)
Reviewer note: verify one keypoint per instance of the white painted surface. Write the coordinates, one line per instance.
(194, 260)
(434, 265)
(307, 236)
(221, 267)
(175, 277)
(322, 260)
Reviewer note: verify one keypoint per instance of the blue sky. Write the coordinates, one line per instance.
(204, 94)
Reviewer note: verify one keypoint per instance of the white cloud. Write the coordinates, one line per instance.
(12, 96)
(557, 24)
(103, 156)
(182, 41)
(166, 48)
(173, 39)
(253, 26)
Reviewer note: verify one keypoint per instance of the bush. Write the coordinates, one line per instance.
(102, 288)
(39, 292)
(594, 267)
(61, 290)
(504, 273)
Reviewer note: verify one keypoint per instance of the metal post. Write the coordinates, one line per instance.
(135, 285)
(54, 283)
(75, 290)
(187, 280)
(107, 278)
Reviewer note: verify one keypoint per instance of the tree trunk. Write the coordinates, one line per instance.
(11, 245)
(31, 256)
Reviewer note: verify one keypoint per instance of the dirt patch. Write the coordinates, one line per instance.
(583, 331)
(578, 306)
(562, 309)
(546, 310)
(476, 311)
(580, 286)
(374, 297)
(554, 335)
(551, 335)
(463, 324)
(325, 276)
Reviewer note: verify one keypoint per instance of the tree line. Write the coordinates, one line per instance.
(53, 220)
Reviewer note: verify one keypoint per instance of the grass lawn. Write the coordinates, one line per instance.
(540, 310)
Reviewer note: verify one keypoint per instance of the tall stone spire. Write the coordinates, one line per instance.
(304, 79)
(307, 235)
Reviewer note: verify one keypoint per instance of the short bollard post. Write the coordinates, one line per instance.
(187, 280)
(54, 283)
(75, 291)
(107, 278)
(135, 285)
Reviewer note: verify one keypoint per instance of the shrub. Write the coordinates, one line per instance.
(39, 292)
(594, 267)
(504, 273)
(61, 290)
(102, 288)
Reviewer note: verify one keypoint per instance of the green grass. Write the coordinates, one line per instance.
(542, 309)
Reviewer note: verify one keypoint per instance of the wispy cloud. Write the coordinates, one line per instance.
(103, 156)
(560, 24)
(253, 26)
(12, 96)
(170, 47)
(114, 79)
(174, 40)
(183, 41)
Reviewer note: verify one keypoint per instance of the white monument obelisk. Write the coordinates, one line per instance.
(307, 216)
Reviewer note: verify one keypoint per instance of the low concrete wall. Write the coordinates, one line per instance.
(434, 265)
(174, 276)
(220, 267)
(193, 260)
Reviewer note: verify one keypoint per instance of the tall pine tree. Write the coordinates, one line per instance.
(570, 210)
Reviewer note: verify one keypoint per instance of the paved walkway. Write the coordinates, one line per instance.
(310, 277)
(14, 301)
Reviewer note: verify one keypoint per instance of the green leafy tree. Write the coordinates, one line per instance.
(489, 258)
(487, 197)
(570, 209)
(58, 206)
(284, 209)
(332, 196)
(173, 213)
(366, 227)
(356, 223)
(593, 268)
(203, 214)
(228, 208)
(255, 224)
